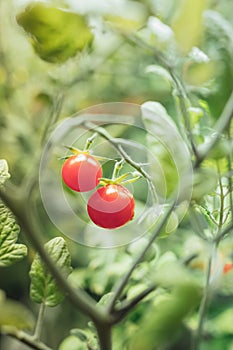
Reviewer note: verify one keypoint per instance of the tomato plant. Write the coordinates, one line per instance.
(111, 206)
(152, 82)
(81, 172)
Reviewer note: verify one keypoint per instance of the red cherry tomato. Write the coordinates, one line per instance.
(227, 267)
(111, 206)
(81, 172)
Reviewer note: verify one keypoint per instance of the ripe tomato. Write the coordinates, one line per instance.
(111, 206)
(81, 172)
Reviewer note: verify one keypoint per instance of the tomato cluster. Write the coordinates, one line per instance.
(112, 204)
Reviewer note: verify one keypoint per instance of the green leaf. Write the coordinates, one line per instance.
(72, 343)
(80, 334)
(171, 225)
(56, 34)
(136, 247)
(162, 32)
(221, 324)
(187, 25)
(10, 252)
(205, 181)
(14, 314)
(168, 155)
(219, 27)
(163, 321)
(4, 174)
(160, 71)
(105, 299)
(44, 288)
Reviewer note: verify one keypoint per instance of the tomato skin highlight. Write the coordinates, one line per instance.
(81, 172)
(111, 206)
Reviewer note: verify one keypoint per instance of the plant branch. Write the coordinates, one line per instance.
(119, 286)
(223, 121)
(222, 233)
(53, 115)
(229, 164)
(78, 297)
(221, 209)
(182, 101)
(126, 306)
(104, 331)
(25, 339)
(163, 61)
(220, 126)
(196, 222)
(115, 143)
(204, 303)
(160, 57)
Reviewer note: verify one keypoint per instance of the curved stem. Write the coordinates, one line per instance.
(204, 303)
(222, 233)
(182, 101)
(118, 288)
(221, 125)
(115, 143)
(126, 306)
(26, 339)
(54, 115)
(221, 209)
(229, 164)
(163, 61)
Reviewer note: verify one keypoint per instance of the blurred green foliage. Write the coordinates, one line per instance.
(50, 73)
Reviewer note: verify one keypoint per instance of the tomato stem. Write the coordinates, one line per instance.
(121, 179)
(73, 150)
(117, 168)
(89, 142)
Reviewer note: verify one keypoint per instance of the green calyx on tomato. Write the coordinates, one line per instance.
(112, 205)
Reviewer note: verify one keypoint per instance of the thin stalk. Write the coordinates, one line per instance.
(229, 165)
(117, 168)
(221, 209)
(163, 61)
(89, 142)
(119, 287)
(159, 55)
(53, 116)
(127, 305)
(39, 323)
(182, 101)
(222, 233)
(26, 339)
(115, 143)
(196, 222)
(204, 303)
(220, 126)
(224, 119)
(121, 311)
